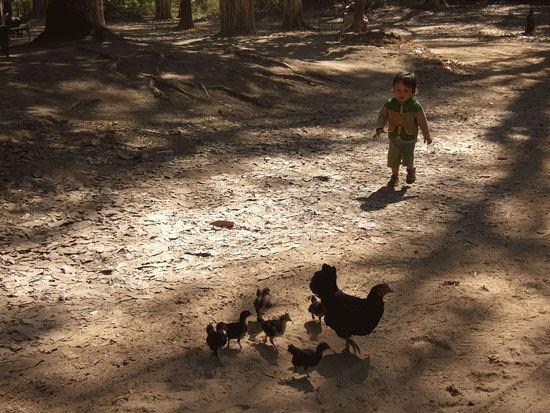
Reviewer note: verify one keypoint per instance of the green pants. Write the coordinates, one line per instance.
(401, 155)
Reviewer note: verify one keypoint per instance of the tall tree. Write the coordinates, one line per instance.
(39, 7)
(73, 19)
(163, 9)
(435, 4)
(292, 15)
(530, 26)
(4, 32)
(237, 17)
(186, 15)
(358, 16)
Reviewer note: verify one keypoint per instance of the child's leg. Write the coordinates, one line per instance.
(408, 161)
(411, 175)
(394, 160)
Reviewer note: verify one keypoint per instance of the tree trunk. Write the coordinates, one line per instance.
(5, 39)
(358, 15)
(73, 19)
(39, 7)
(186, 14)
(530, 25)
(435, 4)
(237, 17)
(4, 32)
(163, 9)
(292, 15)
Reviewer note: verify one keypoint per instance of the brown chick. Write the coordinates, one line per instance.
(274, 328)
(262, 303)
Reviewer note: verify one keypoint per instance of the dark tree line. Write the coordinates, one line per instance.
(71, 19)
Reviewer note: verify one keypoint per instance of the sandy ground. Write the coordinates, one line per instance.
(117, 157)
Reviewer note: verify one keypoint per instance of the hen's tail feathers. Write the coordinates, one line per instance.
(292, 349)
(323, 282)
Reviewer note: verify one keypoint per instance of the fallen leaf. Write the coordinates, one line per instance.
(223, 224)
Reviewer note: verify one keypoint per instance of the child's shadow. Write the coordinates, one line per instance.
(384, 197)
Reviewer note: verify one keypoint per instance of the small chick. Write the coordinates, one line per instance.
(274, 328)
(238, 329)
(316, 308)
(307, 357)
(262, 303)
(217, 338)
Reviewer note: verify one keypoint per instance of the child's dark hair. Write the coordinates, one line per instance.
(408, 79)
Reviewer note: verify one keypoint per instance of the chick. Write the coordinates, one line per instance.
(307, 357)
(274, 328)
(217, 338)
(316, 308)
(262, 303)
(238, 329)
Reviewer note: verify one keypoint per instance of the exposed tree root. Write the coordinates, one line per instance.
(238, 95)
(177, 87)
(157, 80)
(255, 56)
(115, 61)
(295, 77)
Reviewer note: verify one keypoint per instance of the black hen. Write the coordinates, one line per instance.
(316, 308)
(262, 303)
(307, 357)
(345, 314)
(238, 330)
(217, 338)
(274, 328)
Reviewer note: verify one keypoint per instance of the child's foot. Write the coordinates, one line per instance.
(394, 180)
(411, 176)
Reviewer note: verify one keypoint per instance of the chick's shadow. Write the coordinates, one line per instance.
(346, 365)
(210, 365)
(268, 352)
(254, 329)
(383, 197)
(231, 352)
(302, 384)
(313, 329)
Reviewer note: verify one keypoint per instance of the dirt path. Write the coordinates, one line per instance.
(117, 158)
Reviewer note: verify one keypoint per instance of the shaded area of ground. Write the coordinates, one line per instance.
(117, 157)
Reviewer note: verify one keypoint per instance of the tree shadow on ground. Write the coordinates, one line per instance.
(443, 259)
(487, 246)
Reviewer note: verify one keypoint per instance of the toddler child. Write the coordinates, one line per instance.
(404, 115)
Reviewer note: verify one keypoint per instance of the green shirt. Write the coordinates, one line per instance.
(403, 120)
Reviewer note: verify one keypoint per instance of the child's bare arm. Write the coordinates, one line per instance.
(381, 122)
(423, 123)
